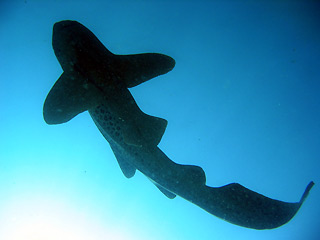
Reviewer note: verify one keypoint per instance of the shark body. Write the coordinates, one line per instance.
(97, 81)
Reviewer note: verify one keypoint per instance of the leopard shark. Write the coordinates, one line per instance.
(98, 81)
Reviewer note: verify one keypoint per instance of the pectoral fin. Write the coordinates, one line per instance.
(138, 68)
(70, 95)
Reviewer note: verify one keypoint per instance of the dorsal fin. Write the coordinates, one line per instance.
(69, 96)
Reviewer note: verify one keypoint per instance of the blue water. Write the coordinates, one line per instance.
(242, 102)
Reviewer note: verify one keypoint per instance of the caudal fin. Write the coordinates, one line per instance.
(241, 206)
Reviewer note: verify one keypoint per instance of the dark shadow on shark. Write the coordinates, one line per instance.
(96, 80)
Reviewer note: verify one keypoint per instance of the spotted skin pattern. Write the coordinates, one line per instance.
(96, 80)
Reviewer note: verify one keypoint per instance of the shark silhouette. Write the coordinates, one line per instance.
(96, 80)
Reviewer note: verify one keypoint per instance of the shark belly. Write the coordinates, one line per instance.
(147, 158)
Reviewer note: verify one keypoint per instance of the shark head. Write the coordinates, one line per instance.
(76, 46)
(92, 73)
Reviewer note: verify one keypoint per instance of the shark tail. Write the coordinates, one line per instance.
(241, 206)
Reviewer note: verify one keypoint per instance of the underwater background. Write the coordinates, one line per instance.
(242, 102)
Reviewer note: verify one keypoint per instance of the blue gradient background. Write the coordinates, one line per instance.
(242, 102)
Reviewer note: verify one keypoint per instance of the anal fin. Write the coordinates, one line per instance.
(165, 191)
